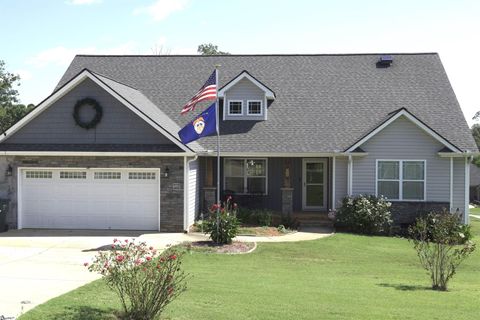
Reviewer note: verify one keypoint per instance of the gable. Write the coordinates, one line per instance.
(402, 138)
(56, 125)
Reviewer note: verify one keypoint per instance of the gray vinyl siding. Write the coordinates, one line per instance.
(403, 140)
(341, 180)
(245, 90)
(458, 185)
(119, 125)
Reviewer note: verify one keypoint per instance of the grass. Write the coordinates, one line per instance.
(341, 277)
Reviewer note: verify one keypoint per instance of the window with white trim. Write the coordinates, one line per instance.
(73, 175)
(235, 107)
(107, 175)
(141, 175)
(401, 179)
(245, 176)
(254, 107)
(38, 174)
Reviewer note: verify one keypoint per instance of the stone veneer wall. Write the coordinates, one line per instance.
(404, 212)
(171, 188)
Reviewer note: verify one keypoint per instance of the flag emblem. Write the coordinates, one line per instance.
(199, 125)
(207, 92)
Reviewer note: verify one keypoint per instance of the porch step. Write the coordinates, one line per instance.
(313, 220)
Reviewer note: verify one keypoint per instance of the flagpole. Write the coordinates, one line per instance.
(217, 115)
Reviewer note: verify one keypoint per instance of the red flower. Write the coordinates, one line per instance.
(151, 248)
(115, 240)
(215, 206)
(85, 264)
(173, 257)
(229, 198)
(148, 258)
(126, 240)
(120, 258)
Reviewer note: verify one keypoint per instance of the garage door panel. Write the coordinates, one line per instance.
(84, 199)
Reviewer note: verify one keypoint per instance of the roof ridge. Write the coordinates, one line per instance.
(260, 55)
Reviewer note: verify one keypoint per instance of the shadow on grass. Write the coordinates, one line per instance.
(85, 312)
(404, 287)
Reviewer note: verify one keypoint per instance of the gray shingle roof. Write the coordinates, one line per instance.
(324, 103)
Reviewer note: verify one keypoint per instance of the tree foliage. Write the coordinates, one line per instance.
(10, 110)
(476, 135)
(8, 95)
(209, 49)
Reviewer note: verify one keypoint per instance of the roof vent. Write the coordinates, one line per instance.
(384, 61)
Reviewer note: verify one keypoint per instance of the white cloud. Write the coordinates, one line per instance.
(161, 9)
(82, 2)
(62, 56)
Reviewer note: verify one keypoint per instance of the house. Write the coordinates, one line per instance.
(298, 134)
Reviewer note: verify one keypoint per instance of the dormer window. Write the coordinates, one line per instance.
(246, 98)
(254, 107)
(235, 107)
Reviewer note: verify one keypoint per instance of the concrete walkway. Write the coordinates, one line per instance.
(38, 265)
(475, 216)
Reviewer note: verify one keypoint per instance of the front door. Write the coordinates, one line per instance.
(314, 184)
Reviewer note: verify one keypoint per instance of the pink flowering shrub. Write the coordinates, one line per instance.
(145, 280)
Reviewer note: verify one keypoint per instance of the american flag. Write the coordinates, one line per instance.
(207, 92)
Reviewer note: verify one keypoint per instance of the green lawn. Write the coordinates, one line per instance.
(340, 277)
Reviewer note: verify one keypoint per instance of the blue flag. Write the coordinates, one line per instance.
(203, 125)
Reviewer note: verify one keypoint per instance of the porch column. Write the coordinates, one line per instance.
(209, 191)
(287, 201)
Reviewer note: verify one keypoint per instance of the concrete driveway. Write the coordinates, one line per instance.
(37, 265)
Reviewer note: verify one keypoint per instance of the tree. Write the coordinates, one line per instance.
(8, 95)
(209, 49)
(10, 110)
(476, 135)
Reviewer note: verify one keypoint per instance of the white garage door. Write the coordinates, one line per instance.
(89, 199)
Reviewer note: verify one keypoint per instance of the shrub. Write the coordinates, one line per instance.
(364, 214)
(244, 215)
(263, 217)
(224, 228)
(289, 222)
(442, 243)
(144, 280)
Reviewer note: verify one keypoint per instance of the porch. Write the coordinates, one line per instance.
(300, 187)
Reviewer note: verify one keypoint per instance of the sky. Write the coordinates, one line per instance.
(40, 38)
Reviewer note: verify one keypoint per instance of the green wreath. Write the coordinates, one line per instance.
(95, 120)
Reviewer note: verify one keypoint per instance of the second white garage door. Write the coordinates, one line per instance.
(89, 199)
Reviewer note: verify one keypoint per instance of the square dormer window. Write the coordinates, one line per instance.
(254, 107)
(235, 107)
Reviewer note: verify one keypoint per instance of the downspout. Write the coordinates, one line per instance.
(349, 175)
(466, 217)
(451, 184)
(333, 183)
(186, 164)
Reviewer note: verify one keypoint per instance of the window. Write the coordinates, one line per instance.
(401, 179)
(235, 107)
(246, 176)
(38, 174)
(254, 107)
(141, 175)
(73, 175)
(108, 175)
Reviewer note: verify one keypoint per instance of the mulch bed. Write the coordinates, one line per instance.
(235, 247)
(261, 232)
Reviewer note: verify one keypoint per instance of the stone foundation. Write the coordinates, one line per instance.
(171, 188)
(404, 213)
